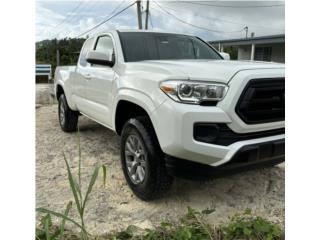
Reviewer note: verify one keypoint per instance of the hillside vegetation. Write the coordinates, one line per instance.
(69, 48)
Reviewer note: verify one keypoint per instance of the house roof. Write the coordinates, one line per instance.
(280, 38)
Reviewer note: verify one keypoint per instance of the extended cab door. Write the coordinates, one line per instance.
(99, 85)
(80, 79)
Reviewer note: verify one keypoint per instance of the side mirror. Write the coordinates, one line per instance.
(100, 58)
(226, 56)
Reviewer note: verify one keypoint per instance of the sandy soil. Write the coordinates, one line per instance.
(114, 207)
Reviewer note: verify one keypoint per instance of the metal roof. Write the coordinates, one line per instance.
(139, 31)
(256, 40)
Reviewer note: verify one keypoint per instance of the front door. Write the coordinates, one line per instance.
(80, 78)
(99, 86)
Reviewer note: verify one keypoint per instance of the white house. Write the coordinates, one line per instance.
(264, 48)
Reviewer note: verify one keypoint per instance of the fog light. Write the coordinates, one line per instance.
(206, 132)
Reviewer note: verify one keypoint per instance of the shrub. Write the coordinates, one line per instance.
(246, 226)
(193, 226)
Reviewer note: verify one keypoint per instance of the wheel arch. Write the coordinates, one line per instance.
(132, 103)
(125, 110)
(59, 91)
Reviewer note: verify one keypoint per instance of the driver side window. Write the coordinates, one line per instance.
(104, 44)
(85, 49)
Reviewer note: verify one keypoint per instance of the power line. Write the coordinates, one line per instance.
(106, 20)
(236, 23)
(200, 27)
(72, 16)
(230, 6)
(72, 11)
(217, 19)
(114, 10)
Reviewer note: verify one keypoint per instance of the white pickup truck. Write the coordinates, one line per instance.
(179, 107)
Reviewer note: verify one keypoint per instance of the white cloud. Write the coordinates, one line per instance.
(46, 19)
(262, 21)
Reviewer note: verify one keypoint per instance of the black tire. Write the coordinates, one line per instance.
(156, 180)
(70, 121)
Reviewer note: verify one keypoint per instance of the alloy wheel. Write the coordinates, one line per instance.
(135, 156)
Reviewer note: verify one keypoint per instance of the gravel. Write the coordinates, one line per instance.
(114, 206)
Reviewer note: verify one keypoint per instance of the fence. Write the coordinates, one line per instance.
(43, 73)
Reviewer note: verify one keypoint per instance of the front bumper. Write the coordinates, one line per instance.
(247, 158)
(175, 134)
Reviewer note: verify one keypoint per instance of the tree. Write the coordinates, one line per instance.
(69, 48)
(232, 51)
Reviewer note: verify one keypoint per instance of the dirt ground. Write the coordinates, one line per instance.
(114, 206)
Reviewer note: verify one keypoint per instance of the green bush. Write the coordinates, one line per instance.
(193, 226)
(246, 226)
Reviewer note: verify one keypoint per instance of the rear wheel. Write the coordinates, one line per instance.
(68, 118)
(142, 160)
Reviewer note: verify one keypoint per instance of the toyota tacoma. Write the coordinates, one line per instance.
(180, 106)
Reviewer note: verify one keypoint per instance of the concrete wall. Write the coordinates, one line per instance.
(278, 53)
(244, 52)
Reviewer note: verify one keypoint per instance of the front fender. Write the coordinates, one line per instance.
(135, 96)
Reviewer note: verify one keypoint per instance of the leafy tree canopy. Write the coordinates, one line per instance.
(69, 49)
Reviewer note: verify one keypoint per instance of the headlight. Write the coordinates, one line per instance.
(194, 92)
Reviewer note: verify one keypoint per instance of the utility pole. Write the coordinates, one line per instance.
(58, 57)
(47, 50)
(139, 14)
(147, 16)
(246, 28)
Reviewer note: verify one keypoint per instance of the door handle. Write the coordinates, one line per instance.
(87, 76)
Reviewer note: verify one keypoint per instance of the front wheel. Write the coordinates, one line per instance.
(68, 118)
(142, 160)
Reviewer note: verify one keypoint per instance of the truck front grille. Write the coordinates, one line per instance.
(262, 101)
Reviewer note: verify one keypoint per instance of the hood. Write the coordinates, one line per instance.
(217, 70)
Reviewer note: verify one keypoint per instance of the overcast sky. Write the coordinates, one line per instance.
(214, 19)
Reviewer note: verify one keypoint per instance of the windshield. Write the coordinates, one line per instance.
(139, 46)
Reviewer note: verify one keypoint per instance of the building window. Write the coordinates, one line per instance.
(263, 54)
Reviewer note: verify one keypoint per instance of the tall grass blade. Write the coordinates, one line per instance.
(104, 171)
(79, 163)
(78, 188)
(73, 186)
(92, 181)
(60, 215)
(46, 227)
(63, 222)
